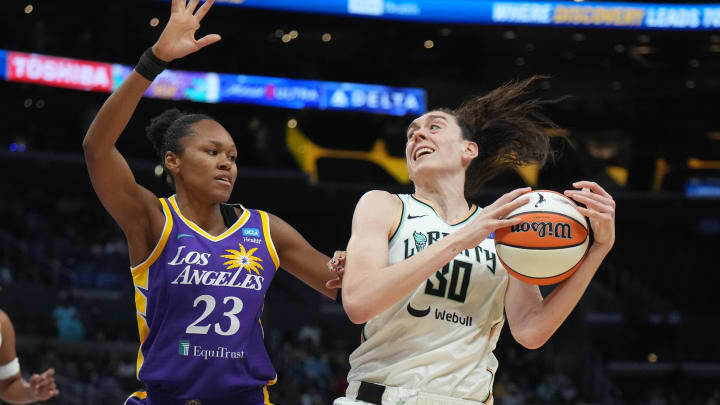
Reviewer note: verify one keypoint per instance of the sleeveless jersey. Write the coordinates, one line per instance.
(440, 338)
(199, 299)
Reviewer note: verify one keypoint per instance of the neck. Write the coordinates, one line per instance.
(206, 214)
(446, 194)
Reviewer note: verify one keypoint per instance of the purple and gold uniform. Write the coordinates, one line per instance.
(199, 299)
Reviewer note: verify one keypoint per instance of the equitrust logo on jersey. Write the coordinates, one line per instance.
(187, 350)
(184, 348)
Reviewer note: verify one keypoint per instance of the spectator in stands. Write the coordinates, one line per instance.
(67, 320)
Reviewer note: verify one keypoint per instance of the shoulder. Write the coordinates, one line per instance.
(379, 207)
(376, 199)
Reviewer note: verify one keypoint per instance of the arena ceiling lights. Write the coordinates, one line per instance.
(538, 13)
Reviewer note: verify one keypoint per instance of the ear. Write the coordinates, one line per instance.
(470, 152)
(172, 162)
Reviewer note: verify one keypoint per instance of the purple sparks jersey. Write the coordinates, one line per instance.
(199, 299)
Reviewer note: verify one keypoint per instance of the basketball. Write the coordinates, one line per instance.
(550, 243)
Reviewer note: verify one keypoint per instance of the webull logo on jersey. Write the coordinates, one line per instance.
(186, 350)
(239, 260)
(441, 315)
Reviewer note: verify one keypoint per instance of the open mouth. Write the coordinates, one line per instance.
(224, 180)
(422, 151)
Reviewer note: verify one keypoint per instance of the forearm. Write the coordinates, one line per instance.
(368, 292)
(114, 115)
(312, 269)
(556, 307)
(17, 392)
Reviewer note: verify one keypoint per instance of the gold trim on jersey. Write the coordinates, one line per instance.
(266, 394)
(137, 394)
(268, 238)
(140, 280)
(237, 225)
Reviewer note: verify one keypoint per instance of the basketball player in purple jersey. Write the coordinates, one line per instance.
(201, 268)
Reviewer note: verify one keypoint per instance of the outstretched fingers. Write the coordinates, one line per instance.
(191, 5)
(200, 14)
(177, 6)
(208, 40)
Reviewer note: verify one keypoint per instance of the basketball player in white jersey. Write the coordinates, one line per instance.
(429, 334)
(13, 388)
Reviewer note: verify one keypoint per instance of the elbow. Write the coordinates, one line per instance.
(87, 146)
(530, 338)
(357, 312)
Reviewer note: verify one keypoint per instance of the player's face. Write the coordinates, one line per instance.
(434, 144)
(207, 163)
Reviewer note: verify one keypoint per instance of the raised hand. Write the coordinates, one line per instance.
(600, 209)
(43, 385)
(178, 37)
(493, 216)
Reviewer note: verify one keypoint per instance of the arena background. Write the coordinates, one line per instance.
(642, 119)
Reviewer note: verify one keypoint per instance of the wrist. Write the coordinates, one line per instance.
(601, 248)
(150, 65)
(160, 54)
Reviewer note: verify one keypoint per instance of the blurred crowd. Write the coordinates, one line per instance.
(58, 246)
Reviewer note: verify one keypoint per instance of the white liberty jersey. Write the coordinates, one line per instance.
(440, 338)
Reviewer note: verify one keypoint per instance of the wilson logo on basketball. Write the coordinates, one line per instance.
(560, 230)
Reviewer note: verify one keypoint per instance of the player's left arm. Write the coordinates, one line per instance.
(531, 318)
(14, 389)
(302, 260)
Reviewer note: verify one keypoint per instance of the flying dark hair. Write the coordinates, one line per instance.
(509, 129)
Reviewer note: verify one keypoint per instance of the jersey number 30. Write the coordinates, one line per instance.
(209, 300)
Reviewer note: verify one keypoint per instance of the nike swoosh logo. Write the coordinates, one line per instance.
(185, 235)
(418, 313)
(416, 216)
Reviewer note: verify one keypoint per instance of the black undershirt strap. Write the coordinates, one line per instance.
(228, 213)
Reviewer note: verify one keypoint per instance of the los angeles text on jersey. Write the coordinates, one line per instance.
(191, 275)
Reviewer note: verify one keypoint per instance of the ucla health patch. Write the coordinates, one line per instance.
(251, 232)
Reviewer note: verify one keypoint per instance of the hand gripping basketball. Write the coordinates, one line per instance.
(493, 217)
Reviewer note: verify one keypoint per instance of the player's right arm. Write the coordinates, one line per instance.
(132, 206)
(136, 209)
(370, 285)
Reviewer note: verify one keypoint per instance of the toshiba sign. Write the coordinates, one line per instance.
(59, 72)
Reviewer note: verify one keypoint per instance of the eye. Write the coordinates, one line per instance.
(213, 152)
(434, 127)
(232, 158)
